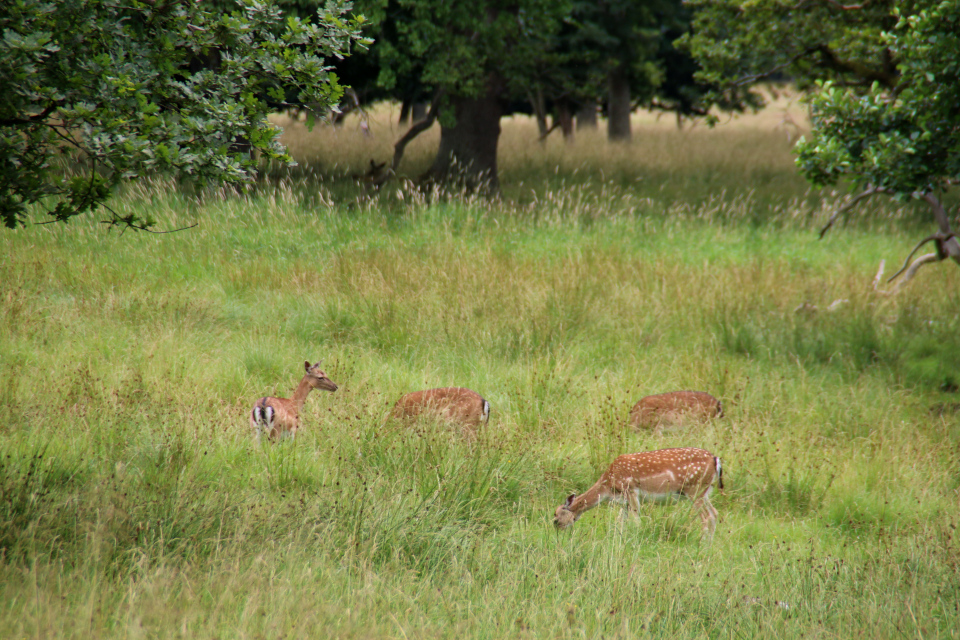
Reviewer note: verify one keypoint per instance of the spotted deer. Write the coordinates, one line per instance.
(280, 417)
(676, 408)
(654, 476)
(452, 404)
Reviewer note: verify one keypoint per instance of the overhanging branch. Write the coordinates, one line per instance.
(869, 191)
(34, 119)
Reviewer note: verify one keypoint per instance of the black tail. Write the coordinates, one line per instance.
(716, 462)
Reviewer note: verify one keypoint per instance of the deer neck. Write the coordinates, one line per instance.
(590, 499)
(301, 392)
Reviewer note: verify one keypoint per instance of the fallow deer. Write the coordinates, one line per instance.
(652, 475)
(452, 404)
(280, 416)
(675, 408)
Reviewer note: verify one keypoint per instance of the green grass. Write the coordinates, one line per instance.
(136, 504)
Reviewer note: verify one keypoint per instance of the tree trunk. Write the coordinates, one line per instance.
(412, 111)
(468, 150)
(618, 106)
(587, 117)
(540, 113)
(419, 111)
(565, 119)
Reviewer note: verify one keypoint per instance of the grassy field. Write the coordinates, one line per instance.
(136, 504)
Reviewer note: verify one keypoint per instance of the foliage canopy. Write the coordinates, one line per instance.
(93, 92)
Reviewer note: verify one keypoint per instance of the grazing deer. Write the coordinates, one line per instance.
(675, 408)
(281, 417)
(453, 404)
(653, 475)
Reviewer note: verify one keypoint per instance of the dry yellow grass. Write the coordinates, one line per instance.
(755, 142)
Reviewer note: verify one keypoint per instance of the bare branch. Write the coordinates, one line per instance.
(748, 80)
(413, 132)
(556, 125)
(939, 211)
(877, 278)
(692, 109)
(912, 271)
(941, 254)
(869, 191)
(837, 5)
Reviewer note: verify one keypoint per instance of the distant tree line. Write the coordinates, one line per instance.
(468, 64)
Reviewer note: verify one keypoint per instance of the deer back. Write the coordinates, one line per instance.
(674, 408)
(454, 404)
(658, 474)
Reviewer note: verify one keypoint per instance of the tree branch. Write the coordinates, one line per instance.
(833, 61)
(553, 127)
(679, 109)
(941, 254)
(946, 241)
(748, 80)
(869, 191)
(413, 132)
(837, 5)
(35, 118)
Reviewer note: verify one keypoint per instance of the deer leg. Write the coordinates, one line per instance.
(633, 503)
(707, 514)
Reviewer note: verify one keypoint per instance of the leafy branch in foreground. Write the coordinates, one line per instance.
(885, 84)
(905, 141)
(95, 92)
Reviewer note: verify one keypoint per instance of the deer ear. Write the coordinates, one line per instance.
(569, 500)
(306, 365)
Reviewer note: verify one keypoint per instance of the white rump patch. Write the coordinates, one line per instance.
(264, 418)
(486, 411)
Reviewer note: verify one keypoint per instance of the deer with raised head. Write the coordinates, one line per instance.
(451, 404)
(654, 476)
(676, 408)
(280, 417)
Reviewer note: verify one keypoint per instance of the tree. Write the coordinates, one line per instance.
(96, 92)
(631, 45)
(471, 61)
(477, 63)
(885, 92)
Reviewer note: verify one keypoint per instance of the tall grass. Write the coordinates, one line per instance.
(135, 503)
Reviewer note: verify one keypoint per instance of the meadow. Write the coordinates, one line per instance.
(134, 502)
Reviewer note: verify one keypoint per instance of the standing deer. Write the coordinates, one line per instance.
(281, 417)
(675, 408)
(653, 475)
(453, 404)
